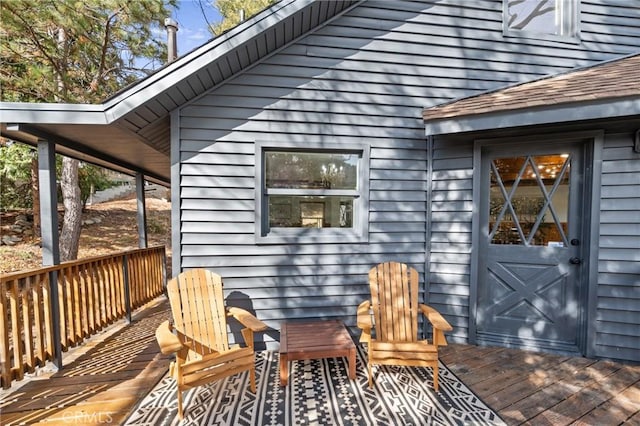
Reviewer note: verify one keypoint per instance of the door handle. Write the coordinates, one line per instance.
(575, 261)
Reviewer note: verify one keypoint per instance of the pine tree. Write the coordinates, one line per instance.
(76, 51)
(230, 11)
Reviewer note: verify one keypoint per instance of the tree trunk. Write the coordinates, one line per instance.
(35, 194)
(71, 225)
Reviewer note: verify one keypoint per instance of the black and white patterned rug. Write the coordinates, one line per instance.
(320, 393)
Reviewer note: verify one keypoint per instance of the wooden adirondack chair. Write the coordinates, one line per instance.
(199, 336)
(392, 313)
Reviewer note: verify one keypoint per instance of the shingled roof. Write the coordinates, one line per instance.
(615, 80)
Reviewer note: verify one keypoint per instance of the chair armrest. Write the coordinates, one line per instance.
(169, 343)
(434, 317)
(246, 319)
(363, 319)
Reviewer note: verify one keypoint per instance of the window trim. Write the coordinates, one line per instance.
(573, 29)
(360, 231)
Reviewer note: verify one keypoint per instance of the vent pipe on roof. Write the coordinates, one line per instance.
(241, 15)
(172, 46)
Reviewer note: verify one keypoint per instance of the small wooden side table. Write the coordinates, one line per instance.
(314, 340)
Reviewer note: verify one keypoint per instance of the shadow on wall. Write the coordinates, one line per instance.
(237, 299)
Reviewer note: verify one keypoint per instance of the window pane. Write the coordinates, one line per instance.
(311, 170)
(538, 16)
(310, 212)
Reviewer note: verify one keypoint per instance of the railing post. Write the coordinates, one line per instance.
(55, 318)
(127, 293)
(164, 269)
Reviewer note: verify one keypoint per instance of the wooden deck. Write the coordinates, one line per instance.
(111, 375)
(543, 389)
(102, 385)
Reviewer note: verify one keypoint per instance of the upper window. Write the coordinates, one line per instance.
(311, 194)
(541, 18)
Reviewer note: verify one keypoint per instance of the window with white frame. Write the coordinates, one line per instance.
(317, 193)
(553, 19)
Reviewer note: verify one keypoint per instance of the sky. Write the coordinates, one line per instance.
(192, 26)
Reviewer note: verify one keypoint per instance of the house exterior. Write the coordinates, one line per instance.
(574, 283)
(296, 150)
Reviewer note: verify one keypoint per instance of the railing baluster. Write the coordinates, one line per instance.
(68, 299)
(16, 332)
(131, 268)
(48, 315)
(120, 280)
(112, 286)
(84, 301)
(29, 356)
(62, 303)
(38, 319)
(5, 356)
(77, 303)
(127, 286)
(91, 318)
(108, 290)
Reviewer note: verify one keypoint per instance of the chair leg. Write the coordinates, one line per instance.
(180, 410)
(252, 379)
(370, 374)
(435, 377)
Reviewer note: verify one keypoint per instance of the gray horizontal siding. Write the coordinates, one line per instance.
(450, 237)
(363, 78)
(618, 293)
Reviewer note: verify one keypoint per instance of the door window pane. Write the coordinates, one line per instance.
(529, 199)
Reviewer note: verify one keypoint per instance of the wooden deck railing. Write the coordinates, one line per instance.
(92, 293)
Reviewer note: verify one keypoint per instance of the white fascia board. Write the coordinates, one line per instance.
(534, 116)
(37, 113)
(199, 58)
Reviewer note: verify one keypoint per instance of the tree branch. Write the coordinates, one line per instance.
(539, 10)
(105, 46)
(34, 37)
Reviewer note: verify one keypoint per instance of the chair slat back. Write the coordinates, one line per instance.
(394, 300)
(197, 304)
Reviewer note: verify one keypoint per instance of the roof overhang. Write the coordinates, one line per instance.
(550, 114)
(131, 132)
(84, 132)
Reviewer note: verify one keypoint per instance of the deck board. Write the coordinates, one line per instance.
(547, 389)
(111, 378)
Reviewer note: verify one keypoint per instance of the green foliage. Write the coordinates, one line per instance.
(15, 175)
(106, 45)
(230, 11)
(90, 179)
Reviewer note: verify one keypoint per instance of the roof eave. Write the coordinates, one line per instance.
(47, 113)
(558, 113)
(146, 89)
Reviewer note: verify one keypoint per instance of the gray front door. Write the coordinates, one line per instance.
(530, 252)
